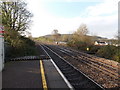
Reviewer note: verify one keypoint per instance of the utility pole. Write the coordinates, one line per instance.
(1, 48)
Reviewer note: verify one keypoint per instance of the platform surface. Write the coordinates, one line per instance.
(53, 78)
(21, 74)
(27, 74)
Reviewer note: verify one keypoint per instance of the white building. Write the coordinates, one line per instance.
(100, 43)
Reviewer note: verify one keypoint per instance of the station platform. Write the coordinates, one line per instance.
(27, 74)
(21, 74)
(53, 77)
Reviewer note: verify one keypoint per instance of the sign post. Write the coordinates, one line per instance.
(1, 48)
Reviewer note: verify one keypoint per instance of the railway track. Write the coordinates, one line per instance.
(94, 59)
(76, 78)
(101, 72)
(105, 68)
(91, 62)
(91, 57)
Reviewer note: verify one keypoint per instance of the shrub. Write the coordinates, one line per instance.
(93, 49)
(70, 44)
(107, 52)
(81, 45)
(116, 57)
(20, 46)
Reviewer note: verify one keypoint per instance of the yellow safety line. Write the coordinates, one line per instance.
(43, 76)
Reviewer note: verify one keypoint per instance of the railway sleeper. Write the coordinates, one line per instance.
(71, 75)
(83, 84)
(76, 78)
(69, 72)
(65, 66)
(65, 69)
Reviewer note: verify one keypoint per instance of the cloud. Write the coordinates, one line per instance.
(72, 0)
(108, 7)
(106, 26)
(101, 19)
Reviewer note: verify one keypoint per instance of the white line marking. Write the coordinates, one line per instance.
(64, 78)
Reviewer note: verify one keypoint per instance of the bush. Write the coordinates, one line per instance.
(93, 49)
(20, 46)
(107, 52)
(116, 57)
(71, 44)
(80, 45)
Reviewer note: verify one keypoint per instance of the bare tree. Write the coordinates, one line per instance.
(15, 15)
(15, 19)
(80, 39)
(56, 35)
(82, 30)
(80, 34)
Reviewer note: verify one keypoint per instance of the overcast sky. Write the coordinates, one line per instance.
(100, 16)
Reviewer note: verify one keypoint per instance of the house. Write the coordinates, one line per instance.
(60, 42)
(100, 43)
